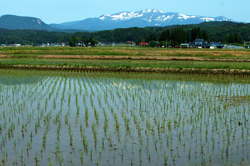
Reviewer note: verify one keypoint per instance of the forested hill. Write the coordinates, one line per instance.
(214, 31)
(18, 22)
(31, 36)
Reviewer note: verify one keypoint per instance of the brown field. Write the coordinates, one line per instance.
(107, 57)
(127, 53)
(132, 69)
(103, 58)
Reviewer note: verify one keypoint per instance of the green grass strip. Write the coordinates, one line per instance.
(127, 63)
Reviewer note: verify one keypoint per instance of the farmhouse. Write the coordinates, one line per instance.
(214, 45)
(143, 43)
(79, 44)
(184, 45)
(198, 43)
(217, 44)
(130, 42)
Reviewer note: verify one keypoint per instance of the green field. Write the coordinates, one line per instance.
(126, 57)
(126, 51)
(126, 63)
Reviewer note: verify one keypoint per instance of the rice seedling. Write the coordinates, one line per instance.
(61, 159)
(165, 159)
(81, 157)
(3, 160)
(36, 157)
(96, 115)
(210, 157)
(50, 163)
(57, 149)
(21, 152)
(91, 155)
(128, 115)
(86, 116)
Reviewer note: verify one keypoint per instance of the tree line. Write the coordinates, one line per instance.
(73, 41)
(225, 32)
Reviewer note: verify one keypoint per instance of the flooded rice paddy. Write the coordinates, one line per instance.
(91, 118)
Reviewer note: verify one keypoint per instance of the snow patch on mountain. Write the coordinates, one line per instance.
(185, 17)
(151, 15)
(39, 21)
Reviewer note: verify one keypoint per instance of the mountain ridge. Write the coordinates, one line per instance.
(142, 18)
(23, 22)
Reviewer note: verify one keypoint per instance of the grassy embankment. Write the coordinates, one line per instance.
(128, 59)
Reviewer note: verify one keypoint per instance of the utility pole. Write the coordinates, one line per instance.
(166, 43)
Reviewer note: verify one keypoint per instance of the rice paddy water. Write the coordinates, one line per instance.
(94, 118)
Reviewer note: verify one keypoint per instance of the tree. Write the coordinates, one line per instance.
(152, 43)
(205, 36)
(72, 41)
(162, 43)
(91, 41)
(79, 39)
(195, 34)
(178, 36)
(238, 39)
(94, 42)
(188, 37)
(165, 35)
(230, 38)
(151, 37)
(138, 41)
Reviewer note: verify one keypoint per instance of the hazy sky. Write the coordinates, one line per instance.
(59, 11)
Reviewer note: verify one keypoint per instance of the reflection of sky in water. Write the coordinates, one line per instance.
(190, 106)
(150, 86)
(19, 79)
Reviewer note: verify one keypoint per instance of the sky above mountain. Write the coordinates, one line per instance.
(59, 11)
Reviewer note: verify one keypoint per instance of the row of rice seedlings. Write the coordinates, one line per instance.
(206, 132)
(12, 127)
(176, 125)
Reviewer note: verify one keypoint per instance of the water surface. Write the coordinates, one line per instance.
(87, 118)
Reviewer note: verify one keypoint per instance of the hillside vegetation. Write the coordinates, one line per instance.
(226, 32)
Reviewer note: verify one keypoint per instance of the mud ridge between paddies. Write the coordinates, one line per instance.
(131, 69)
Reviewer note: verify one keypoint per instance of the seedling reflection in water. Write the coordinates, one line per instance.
(128, 115)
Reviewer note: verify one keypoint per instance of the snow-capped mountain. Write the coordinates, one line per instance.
(143, 18)
(152, 15)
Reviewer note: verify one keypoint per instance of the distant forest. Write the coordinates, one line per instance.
(225, 32)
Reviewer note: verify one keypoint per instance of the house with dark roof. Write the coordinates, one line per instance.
(213, 45)
(79, 44)
(198, 43)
